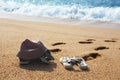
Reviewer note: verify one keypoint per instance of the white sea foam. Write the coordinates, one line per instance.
(73, 11)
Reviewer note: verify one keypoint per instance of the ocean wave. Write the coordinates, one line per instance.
(74, 9)
(87, 3)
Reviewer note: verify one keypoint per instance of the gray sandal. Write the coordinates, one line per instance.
(66, 62)
(80, 62)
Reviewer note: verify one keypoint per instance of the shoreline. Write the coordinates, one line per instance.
(74, 22)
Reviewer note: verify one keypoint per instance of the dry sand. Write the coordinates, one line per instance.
(103, 67)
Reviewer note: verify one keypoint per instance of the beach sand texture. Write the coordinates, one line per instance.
(69, 40)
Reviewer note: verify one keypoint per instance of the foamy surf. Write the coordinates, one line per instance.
(107, 10)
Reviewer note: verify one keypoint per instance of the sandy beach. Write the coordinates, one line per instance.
(78, 41)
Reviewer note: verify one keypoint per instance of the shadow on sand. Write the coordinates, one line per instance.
(80, 70)
(37, 65)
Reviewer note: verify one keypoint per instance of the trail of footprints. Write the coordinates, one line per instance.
(89, 56)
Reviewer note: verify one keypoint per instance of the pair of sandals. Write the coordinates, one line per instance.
(76, 60)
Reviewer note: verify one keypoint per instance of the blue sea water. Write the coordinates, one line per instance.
(103, 10)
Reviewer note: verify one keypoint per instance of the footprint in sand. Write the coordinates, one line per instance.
(90, 40)
(91, 56)
(109, 40)
(58, 43)
(101, 48)
(85, 42)
(55, 50)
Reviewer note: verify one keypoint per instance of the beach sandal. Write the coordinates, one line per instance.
(83, 65)
(66, 62)
(80, 62)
